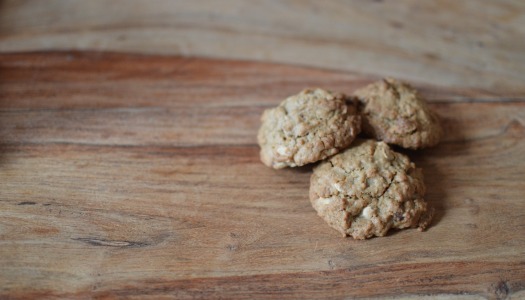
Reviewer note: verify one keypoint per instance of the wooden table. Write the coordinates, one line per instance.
(133, 175)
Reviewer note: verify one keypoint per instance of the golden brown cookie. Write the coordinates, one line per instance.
(306, 128)
(393, 112)
(369, 189)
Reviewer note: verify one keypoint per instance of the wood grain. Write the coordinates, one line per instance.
(135, 176)
(467, 43)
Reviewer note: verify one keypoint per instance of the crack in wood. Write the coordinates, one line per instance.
(112, 243)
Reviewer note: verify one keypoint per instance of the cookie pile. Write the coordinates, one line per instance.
(363, 188)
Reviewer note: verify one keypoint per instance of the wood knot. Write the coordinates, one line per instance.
(501, 290)
(231, 247)
(515, 129)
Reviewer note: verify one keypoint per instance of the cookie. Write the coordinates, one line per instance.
(369, 189)
(393, 112)
(307, 127)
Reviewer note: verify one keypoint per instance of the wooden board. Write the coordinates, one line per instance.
(127, 175)
(466, 43)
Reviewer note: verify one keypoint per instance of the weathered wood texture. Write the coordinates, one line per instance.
(125, 175)
(468, 43)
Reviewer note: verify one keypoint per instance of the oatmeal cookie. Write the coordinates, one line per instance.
(368, 189)
(306, 128)
(393, 112)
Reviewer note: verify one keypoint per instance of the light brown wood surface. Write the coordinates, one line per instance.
(467, 43)
(133, 176)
